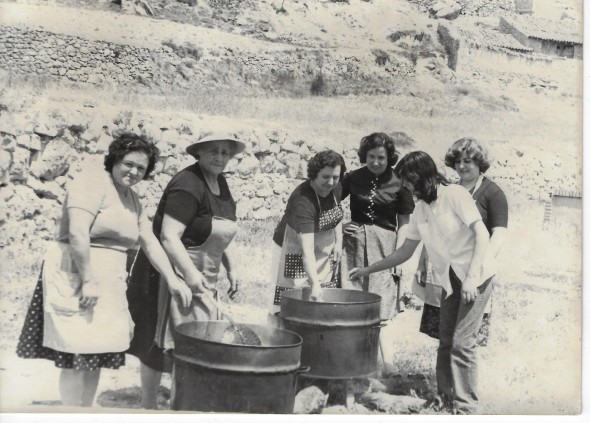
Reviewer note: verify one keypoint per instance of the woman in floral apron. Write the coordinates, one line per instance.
(310, 231)
(195, 222)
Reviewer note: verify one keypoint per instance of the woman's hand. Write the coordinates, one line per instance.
(358, 273)
(89, 296)
(181, 293)
(196, 282)
(350, 228)
(469, 289)
(316, 293)
(233, 285)
(420, 277)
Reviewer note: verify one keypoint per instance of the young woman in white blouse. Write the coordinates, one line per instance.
(449, 224)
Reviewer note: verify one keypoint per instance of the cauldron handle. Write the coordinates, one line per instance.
(381, 324)
(303, 369)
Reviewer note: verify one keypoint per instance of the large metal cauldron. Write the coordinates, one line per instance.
(213, 376)
(340, 333)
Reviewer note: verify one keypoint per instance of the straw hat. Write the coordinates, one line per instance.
(239, 146)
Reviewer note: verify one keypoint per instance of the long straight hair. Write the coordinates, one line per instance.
(418, 168)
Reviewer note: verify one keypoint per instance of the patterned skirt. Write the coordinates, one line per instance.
(431, 318)
(30, 344)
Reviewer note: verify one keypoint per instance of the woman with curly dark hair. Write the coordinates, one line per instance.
(310, 231)
(380, 207)
(78, 316)
(449, 224)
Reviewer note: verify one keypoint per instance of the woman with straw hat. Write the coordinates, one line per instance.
(195, 221)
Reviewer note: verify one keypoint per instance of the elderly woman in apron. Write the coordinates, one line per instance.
(195, 222)
(79, 316)
(310, 232)
(380, 207)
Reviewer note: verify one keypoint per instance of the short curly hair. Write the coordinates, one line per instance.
(127, 142)
(473, 149)
(375, 140)
(326, 158)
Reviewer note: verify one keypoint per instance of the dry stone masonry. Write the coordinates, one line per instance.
(41, 151)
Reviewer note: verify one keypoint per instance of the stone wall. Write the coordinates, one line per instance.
(60, 56)
(77, 59)
(43, 147)
(40, 156)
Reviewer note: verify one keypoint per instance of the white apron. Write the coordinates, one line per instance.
(106, 327)
(207, 259)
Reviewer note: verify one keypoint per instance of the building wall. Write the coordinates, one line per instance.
(484, 60)
(548, 47)
(566, 203)
(506, 28)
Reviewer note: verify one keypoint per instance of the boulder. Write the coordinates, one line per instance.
(5, 163)
(231, 166)
(19, 168)
(449, 13)
(391, 404)
(24, 204)
(53, 161)
(262, 213)
(49, 189)
(310, 400)
(291, 162)
(8, 141)
(174, 164)
(138, 7)
(264, 192)
(248, 167)
(267, 164)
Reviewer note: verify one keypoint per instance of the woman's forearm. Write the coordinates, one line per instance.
(497, 241)
(80, 248)
(479, 249)
(157, 256)
(308, 255)
(228, 259)
(179, 256)
(79, 239)
(398, 257)
(402, 222)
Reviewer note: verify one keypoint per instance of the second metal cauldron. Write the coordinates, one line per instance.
(340, 333)
(210, 375)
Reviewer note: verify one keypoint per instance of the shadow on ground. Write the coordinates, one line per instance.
(131, 398)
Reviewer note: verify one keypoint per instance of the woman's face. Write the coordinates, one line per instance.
(467, 169)
(377, 160)
(214, 156)
(130, 169)
(326, 180)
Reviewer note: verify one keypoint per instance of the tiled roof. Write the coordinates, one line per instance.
(545, 29)
(490, 38)
(566, 193)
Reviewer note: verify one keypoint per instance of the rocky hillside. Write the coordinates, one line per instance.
(229, 49)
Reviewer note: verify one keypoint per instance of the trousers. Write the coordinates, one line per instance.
(456, 364)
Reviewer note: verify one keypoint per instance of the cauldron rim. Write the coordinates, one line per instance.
(290, 295)
(240, 346)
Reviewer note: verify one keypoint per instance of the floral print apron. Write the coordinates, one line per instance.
(291, 272)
